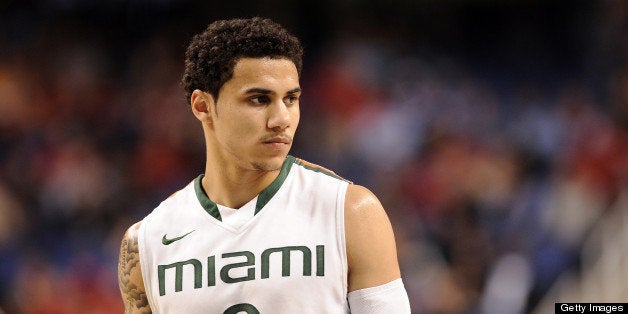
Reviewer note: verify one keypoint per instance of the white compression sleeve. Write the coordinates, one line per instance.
(389, 298)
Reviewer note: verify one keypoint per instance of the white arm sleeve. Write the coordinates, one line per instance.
(389, 298)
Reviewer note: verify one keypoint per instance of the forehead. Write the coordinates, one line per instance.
(269, 73)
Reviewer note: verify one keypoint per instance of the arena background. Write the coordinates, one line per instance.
(494, 133)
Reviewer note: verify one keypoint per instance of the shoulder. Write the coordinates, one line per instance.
(365, 217)
(128, 260)
(313, 168)
(131, 232)
(368, 233)
(181, 198)
(361, 201)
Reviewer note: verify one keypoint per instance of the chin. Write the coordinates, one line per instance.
(270, 164)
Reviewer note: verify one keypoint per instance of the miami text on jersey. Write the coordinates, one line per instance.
(249, 262)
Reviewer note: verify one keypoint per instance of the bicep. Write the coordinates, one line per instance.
(130, 274)
(370, 241)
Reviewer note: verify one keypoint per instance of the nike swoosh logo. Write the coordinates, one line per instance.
(167, 241)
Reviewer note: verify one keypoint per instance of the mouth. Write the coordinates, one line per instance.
(277, 142)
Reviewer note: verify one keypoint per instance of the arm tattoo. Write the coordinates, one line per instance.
(130, 277)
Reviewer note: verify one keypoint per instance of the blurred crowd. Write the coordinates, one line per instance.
(506, 194)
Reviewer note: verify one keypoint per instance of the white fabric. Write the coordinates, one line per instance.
(389, 298)
(236, 218)
(221, 265)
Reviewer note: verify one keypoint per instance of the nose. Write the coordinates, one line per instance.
(279, 116)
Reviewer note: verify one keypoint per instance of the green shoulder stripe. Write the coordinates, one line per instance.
(317, 168)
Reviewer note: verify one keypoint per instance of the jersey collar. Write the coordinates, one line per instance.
(262, 199)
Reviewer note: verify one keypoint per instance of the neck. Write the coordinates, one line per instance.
(233, 185)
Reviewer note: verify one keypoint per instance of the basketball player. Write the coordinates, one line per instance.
(259, 231)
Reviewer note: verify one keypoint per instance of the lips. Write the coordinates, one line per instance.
(277, 140)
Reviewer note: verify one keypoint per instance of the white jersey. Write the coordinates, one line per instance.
(289, 257)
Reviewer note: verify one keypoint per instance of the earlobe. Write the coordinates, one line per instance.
(201, 104)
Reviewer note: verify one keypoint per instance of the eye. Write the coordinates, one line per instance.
(260, 100)
(290, 100)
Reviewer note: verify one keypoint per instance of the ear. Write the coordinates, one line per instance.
(202, 104)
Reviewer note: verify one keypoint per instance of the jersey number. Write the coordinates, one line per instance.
(242, 307)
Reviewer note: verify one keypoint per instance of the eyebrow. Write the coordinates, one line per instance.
(264, 91)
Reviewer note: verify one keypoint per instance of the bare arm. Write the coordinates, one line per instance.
(130, 274)
(371, 250)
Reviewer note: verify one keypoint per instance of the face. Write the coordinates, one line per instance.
(256, 114)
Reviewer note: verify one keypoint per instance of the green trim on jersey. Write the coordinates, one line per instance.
(317, 168)
(209, 206)
(262, 199)
(268, 193)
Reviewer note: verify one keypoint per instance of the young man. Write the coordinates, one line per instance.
(259, 231)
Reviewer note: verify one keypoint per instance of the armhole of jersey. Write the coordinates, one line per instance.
(144, 263)
(342, 243)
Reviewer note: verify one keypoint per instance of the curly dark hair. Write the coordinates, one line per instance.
(212, 54)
